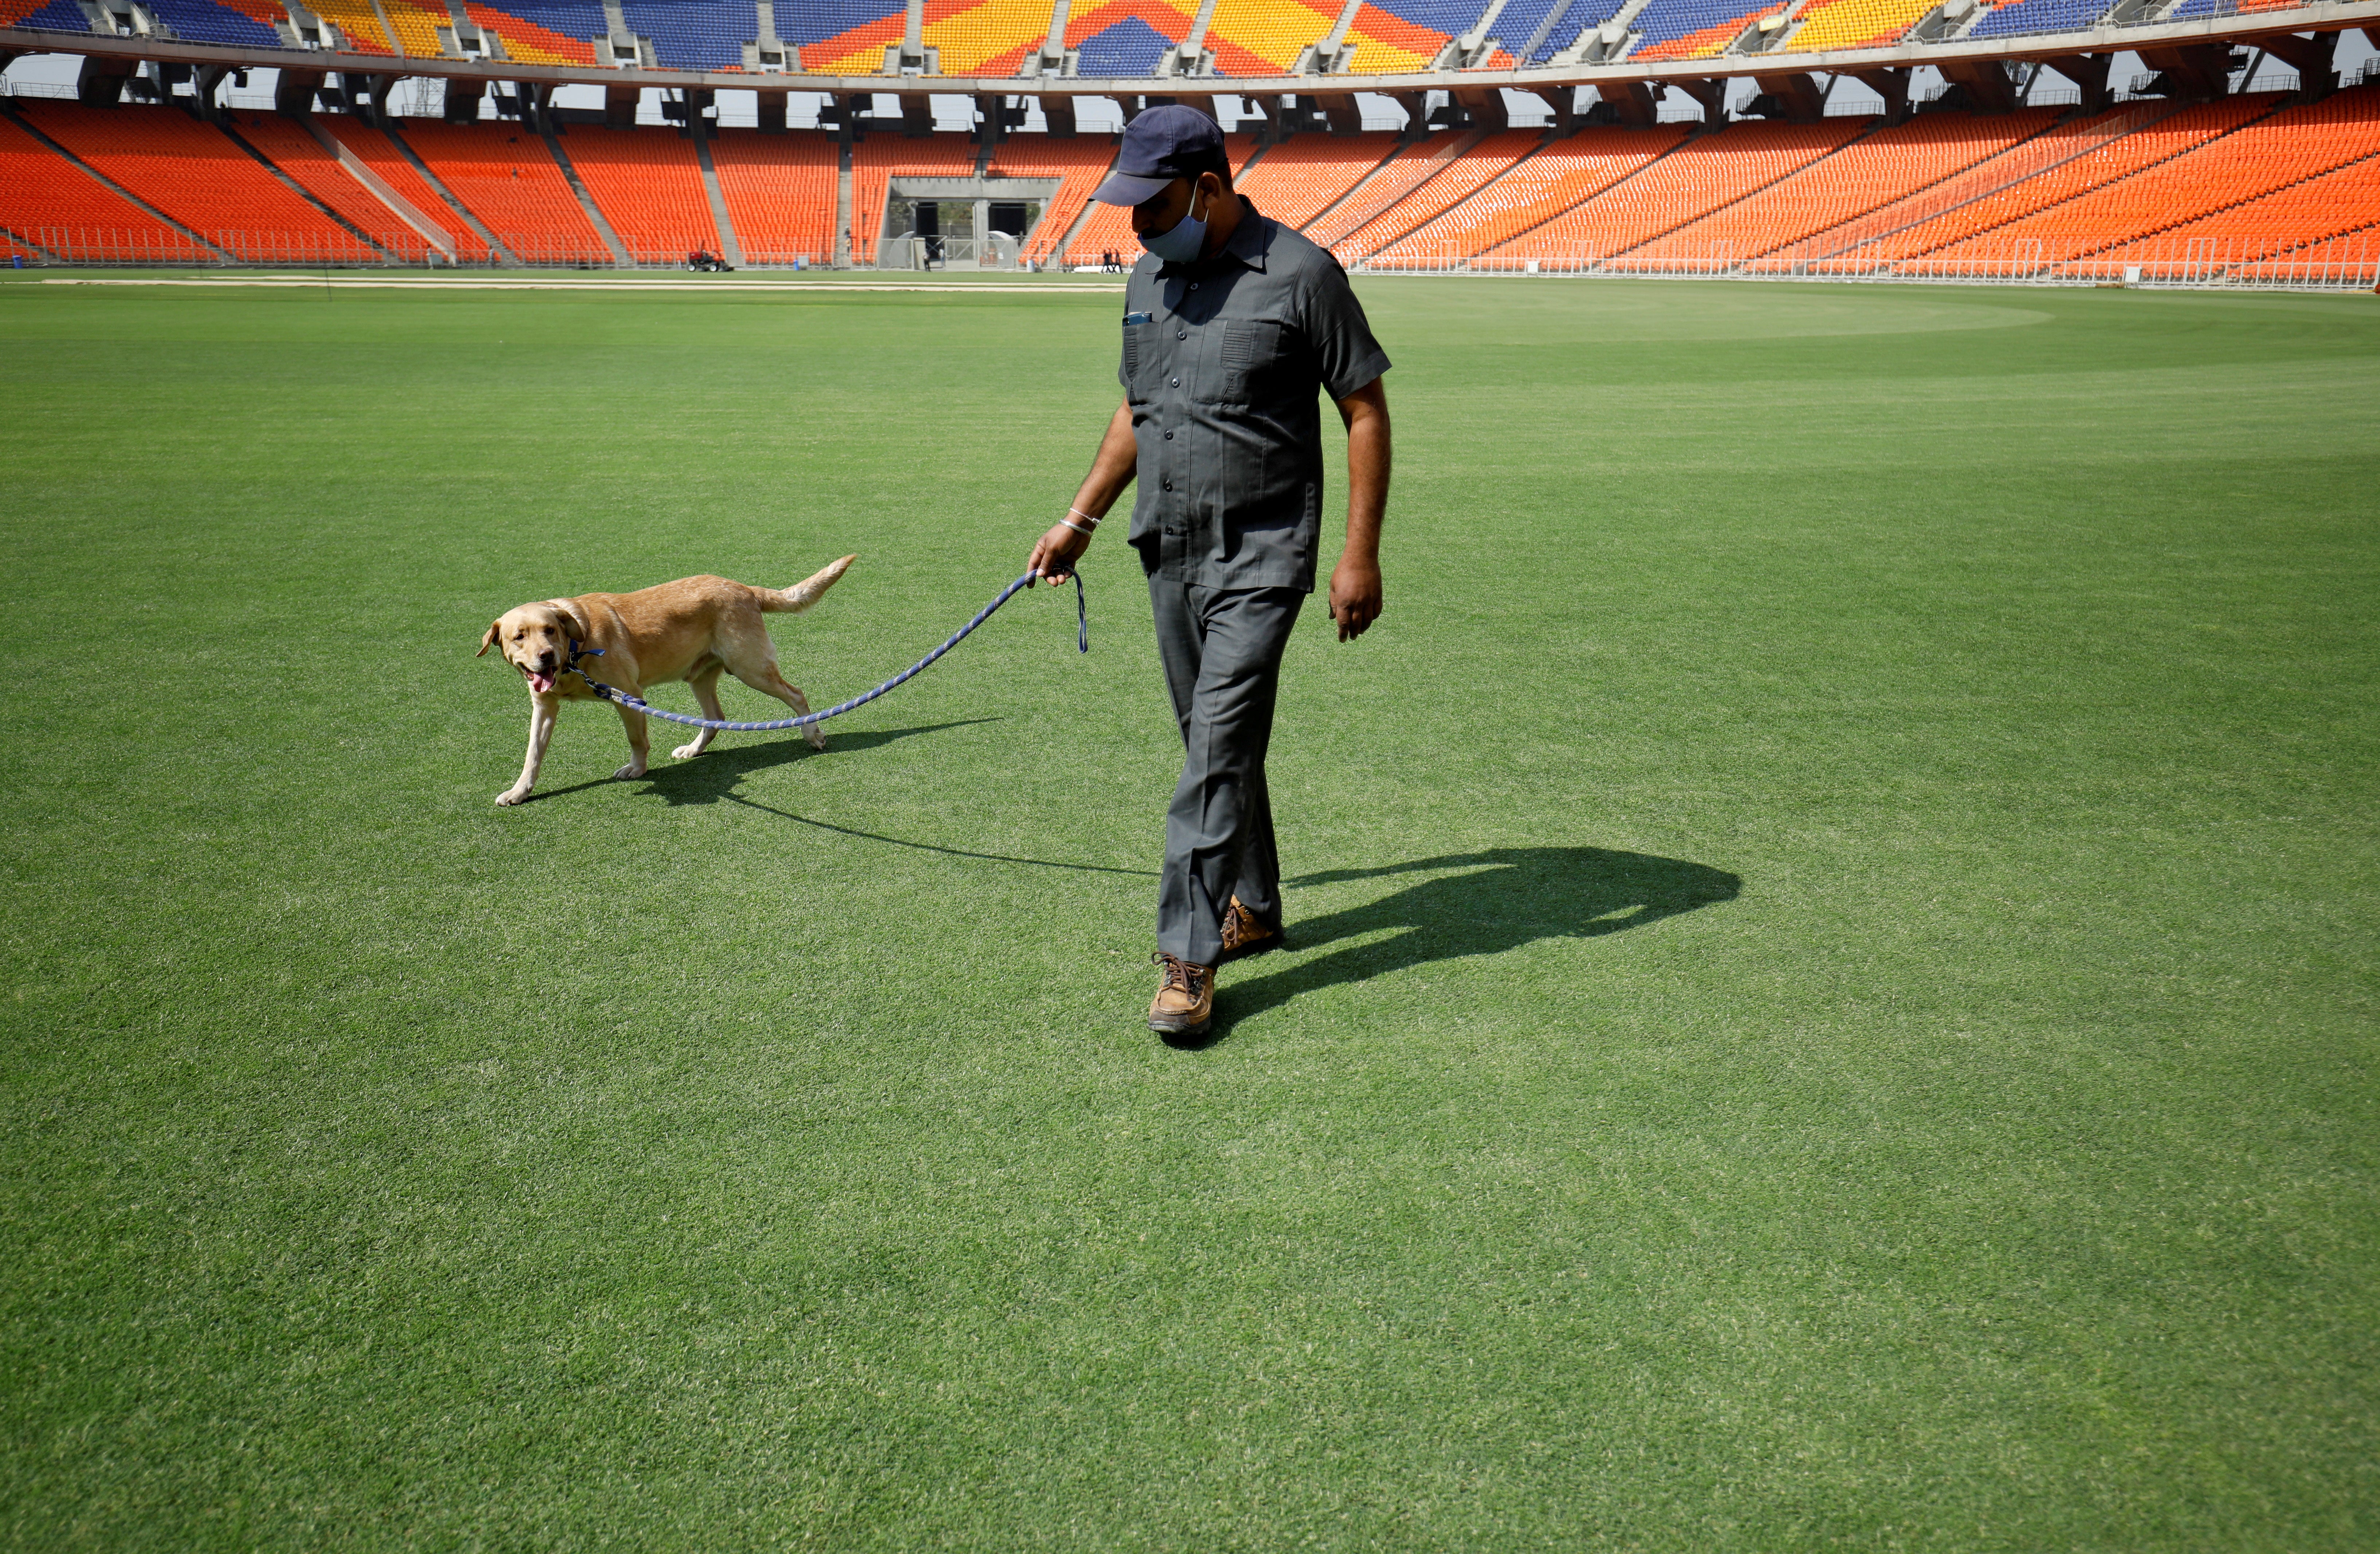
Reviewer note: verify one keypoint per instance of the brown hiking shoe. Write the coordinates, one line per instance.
(1244, 934)
(1186, 997)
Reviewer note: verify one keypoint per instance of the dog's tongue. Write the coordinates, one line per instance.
(540, 682)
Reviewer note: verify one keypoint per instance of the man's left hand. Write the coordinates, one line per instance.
(1354, 594)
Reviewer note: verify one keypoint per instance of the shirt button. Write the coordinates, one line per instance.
(1176, 383)
(1182, 334)
(1169, 437)
(1194, 285)
(1168, 485)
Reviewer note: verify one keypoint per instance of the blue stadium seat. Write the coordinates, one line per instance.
(204, 21)
(694, 34)
(2042, 16)
(572, 18)
(802, 22)
(1130, 47)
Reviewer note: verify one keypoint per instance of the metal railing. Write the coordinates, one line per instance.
(2348, 261)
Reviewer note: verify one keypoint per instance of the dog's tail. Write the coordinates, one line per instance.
(802, 595)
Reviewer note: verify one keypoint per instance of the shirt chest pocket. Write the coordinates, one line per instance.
(1247, 363)
(1144, 362)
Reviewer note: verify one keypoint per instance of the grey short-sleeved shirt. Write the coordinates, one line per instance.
(1221, 362)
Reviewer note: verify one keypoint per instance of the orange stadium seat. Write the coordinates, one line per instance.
(1479, 165)
(1997, 233)
(200, 178)
(374, 150)
(2339, 203)
(1710, 172)
(647, 183)
(984, 37)
(1304, 176)
(2285, 148)
(1407, 169)
(876, 160)
(50, 207)
(781, 193)
(1079, 163)
(1265, 37)
(503, 175)
(301, 159)
(1867, 175)
(356, 22)
(1533, 193)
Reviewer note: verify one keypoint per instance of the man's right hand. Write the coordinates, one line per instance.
(1054, 554)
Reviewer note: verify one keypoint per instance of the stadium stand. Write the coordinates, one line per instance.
(356, 23)
(1300, 179)
(1109, 227)
(1265, 37)
(415, 28)
(1482, 163)
(877, 159)
(1558, 177)
(1710, 170)
(984, 37)
(647, 183)
(302, 160)
(2285, 148)
(2020, 17)
(1867, 175)
(1124, 41)
(781, 193)
(48, 206)
(1396, 36)
(502, 174)
(1954, 233)
(1853, 24)
(694, 34)
(1407, 169)
(1078, 163)
(199, 177)
(1574, 20)
(52, 15)
(842, 37)
(2291, 233)
(1694, 28)
(204, 21)
(376, 151)
(543, 31)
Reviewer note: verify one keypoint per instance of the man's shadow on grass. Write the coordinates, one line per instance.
(1501, 899)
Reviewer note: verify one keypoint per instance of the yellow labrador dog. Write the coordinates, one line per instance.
(693, 630)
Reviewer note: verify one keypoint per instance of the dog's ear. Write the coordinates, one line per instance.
(488, 640)
(574, 617)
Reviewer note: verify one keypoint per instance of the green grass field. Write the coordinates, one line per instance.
(1831, 1001)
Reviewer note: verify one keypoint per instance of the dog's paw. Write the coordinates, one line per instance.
(816, 735)
(634, 769)
(686, 752)
(512, 796)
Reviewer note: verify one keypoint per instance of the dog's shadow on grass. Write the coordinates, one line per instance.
(717, 773)
(714, 775)
(1478, 903)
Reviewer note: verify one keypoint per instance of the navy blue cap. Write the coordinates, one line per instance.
(1162, 144)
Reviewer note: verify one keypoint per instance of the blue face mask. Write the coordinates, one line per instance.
(1185, 241)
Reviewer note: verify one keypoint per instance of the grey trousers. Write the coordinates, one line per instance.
(1221, 652)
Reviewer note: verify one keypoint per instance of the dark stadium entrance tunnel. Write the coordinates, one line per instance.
(1477, 904)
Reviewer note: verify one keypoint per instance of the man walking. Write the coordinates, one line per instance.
(1232, 323)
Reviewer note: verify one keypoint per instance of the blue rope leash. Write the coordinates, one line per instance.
(614, 693)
